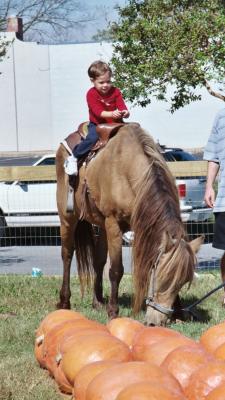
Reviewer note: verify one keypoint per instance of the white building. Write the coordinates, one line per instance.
(43, 98)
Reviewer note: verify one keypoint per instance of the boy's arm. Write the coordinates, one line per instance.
(121, 105)
(116, 114)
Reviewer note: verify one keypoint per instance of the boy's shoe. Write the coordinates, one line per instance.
(70, 165)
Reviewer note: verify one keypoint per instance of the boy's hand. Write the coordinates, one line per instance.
(125, 113)
(117, 114)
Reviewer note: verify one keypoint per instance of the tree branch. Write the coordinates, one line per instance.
(212, 92)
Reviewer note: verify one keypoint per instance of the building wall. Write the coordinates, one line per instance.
(42, 99)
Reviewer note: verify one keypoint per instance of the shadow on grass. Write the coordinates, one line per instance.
(196, 313)
(126, 300)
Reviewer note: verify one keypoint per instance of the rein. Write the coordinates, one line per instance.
(166, 310)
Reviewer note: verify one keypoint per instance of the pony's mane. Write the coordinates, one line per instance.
(156, 217)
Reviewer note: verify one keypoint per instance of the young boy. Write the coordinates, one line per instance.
(105, 104)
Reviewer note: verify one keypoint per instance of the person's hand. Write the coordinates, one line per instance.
(125, 113)
(209, 197)
(116, 114)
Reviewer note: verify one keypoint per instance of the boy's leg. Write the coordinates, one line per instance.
(85, 146)
(80, 150)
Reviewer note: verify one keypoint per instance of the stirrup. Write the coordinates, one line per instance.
(70, 200)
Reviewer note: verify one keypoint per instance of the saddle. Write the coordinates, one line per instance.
(104, 131)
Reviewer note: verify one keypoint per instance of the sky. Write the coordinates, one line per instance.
(102, 12)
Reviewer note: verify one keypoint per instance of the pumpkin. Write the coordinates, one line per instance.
(108, 384)
(150, 335)
(65, 344)
(63, 384)
(125, 329)
(184, 361)
(88, 349)
(55, 336)
(157, 352)
(205, 379)
(87, 374)
(146, 390)
(213, 337)
(48, 323)
(220, 352)
(217, 394)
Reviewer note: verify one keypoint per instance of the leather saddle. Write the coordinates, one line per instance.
(104, 131)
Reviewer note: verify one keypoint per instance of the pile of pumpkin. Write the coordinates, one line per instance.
(124, 360)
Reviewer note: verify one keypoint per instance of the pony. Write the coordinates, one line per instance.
(126, 186)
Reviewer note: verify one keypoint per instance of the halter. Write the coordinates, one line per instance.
(166, 310)
(150, 299)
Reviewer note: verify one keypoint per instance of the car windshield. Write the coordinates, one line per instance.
(178, 155)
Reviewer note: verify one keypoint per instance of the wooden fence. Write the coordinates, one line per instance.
(47, 173)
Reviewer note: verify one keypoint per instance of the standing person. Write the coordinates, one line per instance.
(105, 104)
(215, 155)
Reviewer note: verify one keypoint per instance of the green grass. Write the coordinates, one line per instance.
(25, 301)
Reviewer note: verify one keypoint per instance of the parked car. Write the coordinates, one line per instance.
(190, 189)
(24, 203)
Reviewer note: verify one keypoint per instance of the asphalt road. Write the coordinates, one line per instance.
(21, 259)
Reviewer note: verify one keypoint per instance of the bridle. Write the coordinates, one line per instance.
(150, 299)
(166, 310)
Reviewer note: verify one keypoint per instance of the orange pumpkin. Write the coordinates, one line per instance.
(87, 374)
(157, 352)
(220, 352)
(205, 379)
(184, 361)
(108, 384)
(83, 328)
(150, 335)
(213, 337)
(217, 394)
(58, 334)
(125, 329)
(63, 384)
(88, 349)
(146, 390)
(49, 322)
(65, 345)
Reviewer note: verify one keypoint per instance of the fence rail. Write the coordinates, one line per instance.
(48, 173)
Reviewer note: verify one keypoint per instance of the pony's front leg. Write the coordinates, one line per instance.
(100, 258)
(114, 239)
(67, 250)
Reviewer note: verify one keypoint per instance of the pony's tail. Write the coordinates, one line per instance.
(84, 245)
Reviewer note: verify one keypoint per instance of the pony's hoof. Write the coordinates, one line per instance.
(64, 306)
(112, 313)
(98, 305)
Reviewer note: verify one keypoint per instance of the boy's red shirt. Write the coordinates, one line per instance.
(110, 102)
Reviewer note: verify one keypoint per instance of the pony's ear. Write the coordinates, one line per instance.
(196, 243)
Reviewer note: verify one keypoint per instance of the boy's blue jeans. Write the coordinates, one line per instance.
(85, 146)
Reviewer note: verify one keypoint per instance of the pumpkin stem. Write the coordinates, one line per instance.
(40, 339)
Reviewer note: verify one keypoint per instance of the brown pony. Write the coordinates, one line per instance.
(128, 187)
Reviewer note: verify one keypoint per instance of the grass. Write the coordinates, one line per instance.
(25, 301)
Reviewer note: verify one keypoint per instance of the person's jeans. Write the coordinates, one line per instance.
(85, 146)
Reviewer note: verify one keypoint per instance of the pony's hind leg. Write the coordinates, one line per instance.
(67, 230)
(100, 258)
(114, 238)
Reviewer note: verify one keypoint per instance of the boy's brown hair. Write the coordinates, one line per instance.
(98, 68)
